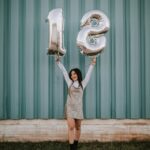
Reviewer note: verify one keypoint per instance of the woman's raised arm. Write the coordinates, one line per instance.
(89, 72)
(64, 71)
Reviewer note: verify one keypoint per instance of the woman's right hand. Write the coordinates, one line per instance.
(57, 58)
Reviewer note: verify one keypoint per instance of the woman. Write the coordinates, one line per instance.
(74, 109)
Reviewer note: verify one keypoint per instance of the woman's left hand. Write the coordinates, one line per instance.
(93, 62)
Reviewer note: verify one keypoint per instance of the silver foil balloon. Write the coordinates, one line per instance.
(56, 28)
(91, 39)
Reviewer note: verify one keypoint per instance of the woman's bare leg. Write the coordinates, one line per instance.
(77, 129)
(71, 128)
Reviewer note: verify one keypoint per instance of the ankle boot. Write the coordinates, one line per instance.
(72, 146)
(76, 145)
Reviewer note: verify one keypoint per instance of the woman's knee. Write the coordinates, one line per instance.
(71, 124)
(78, 127)
(71, 127)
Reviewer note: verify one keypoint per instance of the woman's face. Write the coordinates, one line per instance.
(74, 76)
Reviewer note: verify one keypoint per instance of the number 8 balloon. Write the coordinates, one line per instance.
(56, 28)
(91, 39)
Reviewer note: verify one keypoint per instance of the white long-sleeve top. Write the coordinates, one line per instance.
(75, 83)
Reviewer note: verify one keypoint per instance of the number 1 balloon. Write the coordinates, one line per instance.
(91, 39)
(56, 28)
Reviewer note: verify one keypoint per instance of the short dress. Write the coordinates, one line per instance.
(74, 104)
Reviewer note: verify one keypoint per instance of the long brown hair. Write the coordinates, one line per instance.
(79, 74)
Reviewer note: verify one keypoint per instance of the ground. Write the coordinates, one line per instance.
(82, 146)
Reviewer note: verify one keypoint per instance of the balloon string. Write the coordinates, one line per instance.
(93, 57)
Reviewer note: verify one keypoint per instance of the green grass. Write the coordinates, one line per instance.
(82, 146)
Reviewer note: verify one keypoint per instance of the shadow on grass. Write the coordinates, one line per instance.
(82, 146)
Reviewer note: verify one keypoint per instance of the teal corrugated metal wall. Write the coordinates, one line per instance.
(32, 86)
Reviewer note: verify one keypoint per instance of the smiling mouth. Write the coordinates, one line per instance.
(74, 78)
